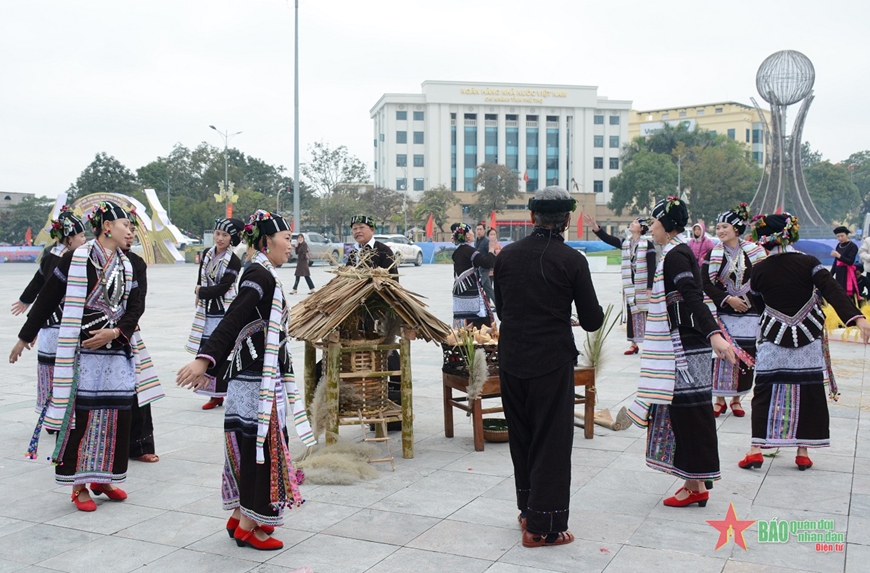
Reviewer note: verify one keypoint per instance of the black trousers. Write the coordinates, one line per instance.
(141, 431)
(307, 279)
(540, 418)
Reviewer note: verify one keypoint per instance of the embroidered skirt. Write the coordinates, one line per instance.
(97, 449)
(736, 379)
(46, 348)
(789, 405)
(681, 436)
(216, 388)
(246, 484)
(635, 326)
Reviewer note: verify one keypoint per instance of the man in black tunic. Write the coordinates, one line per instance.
(536, 281)
(367, 251)
(844, 255)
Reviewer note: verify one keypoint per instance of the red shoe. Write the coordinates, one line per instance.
(719, 409)
(233, 523)
(737, 410)
(803, 462)
(751, 461)
(213, 403)
(82, 505)
(632, 350)
(699, 497)
(243, 538)
(116, 494)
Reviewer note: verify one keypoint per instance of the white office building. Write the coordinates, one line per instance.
(548, 134)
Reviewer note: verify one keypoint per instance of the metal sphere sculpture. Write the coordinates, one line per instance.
(785, 77)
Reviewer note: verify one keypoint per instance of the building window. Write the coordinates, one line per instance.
(756, 155)
(470, 144)
(747, 135)
(418, 160)
(418, 137)
(418, 183)
(401, 115)
(376, 165)
(382, 137)
(376, 142)
(598, 163)
(532, 159)
(552, 118)
(490, 141)
(614, 141)
(453, 155)
(713, 132)
(511, 117)
(614, 120)
(531, 118)
(418, 116)
(666, 115)
(732, 134)
(401, 137)
(598, 140)
(552, 156)
(598, 120)
(401, 184)
(512, 148)
(682, 114)
(598, 186)
(614, 162)
(490, 117)
(756, 136)
(719, 110)
(401, 160)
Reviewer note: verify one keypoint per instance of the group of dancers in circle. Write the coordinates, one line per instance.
(96, 380)
(758, 304)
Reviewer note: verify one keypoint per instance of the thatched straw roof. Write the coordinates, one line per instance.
(320, 314)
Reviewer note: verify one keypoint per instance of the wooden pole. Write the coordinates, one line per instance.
(407, 399)
(333, 369)
(309, 374)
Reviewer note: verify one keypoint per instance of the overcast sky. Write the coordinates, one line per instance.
(132, 78)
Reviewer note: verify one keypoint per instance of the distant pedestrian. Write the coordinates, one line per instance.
(481, 243)
(844, 255)
(470, 303)
(303, 263)
(700, 243)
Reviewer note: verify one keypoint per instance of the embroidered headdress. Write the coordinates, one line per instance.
(671, 213)
(66, 225)
(776, 229)
(364, 219)
(262, 224)
(736, 217)
(109, 211)
(233, 227)
(460, 230)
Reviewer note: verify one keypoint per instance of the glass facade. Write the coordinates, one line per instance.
(470, 149)
(532, 159)
(453, 158)
(491, 145)
(552, 156)
(512, 148)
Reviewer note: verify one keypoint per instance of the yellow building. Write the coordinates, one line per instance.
(738, 121)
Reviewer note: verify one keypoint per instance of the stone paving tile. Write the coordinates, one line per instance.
(219, 543)
(407, 560)
(108, 554)
(382, 526)
(467, 540)
(632, 559)
(508, 568)
(423, 502)
(742, 567)
(109, 518)
(330, 554)
(857, 558)
(696, 537)
(489, 511)
(176, 529)
(316, 516)
(186, 561)
(807, 490)
(580, 555)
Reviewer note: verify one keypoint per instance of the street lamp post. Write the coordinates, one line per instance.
(226, 147)
(405, 200)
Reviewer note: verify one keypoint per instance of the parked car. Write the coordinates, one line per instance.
(404, 250)
(320, 248)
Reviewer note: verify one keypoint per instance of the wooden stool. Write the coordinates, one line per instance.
(583, 376)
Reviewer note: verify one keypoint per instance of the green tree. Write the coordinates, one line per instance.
(808, 156)
(382, 204)
(648, 177)
(835, 196)
(665, 141)
(105, 174)
(498, 185)
(31, 212)
(436, 201)
(718, 178)
(858, 166)
(330, 168)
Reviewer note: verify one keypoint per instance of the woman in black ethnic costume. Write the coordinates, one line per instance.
(69, 233)
(674, 391)
(215, 290)
(726, 282)
(845, 254)
(638, 269)
(94, 382)
(470, 304)
(537, 281)
(249, 349)
(789, 407)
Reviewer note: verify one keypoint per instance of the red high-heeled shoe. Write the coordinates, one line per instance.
(803, 462)
(82, 505)
(737, 409)
(699, 497)
(751, 461)
(632, 350)
(243, 538)
(719, 409)
(213, 403)
(233, 523)
(116, 494)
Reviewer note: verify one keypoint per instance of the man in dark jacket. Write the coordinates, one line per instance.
(537, 280)
(481, 244)
(367, 251)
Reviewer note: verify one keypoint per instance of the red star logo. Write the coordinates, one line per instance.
(730, 526)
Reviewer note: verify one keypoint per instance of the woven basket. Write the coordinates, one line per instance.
(497, 430)
(454, 361)
(369, 395)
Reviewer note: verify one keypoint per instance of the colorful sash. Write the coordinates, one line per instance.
(60, 411)
(658, 362)
(851, 280)
(195, 338)
(271, 372)
(635, 293)
(148, 387)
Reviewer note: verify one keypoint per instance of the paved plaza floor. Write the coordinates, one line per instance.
(448, 509)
